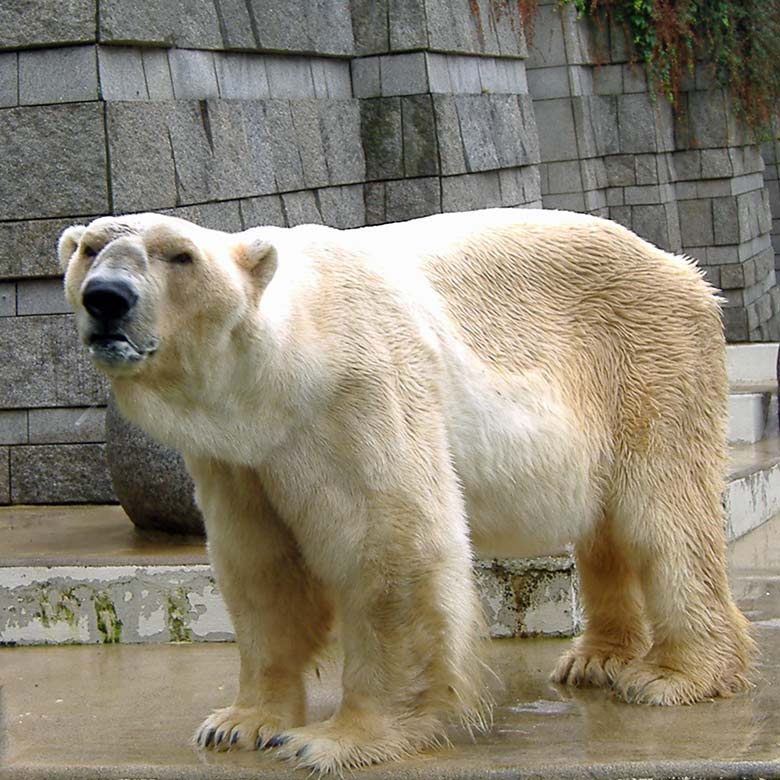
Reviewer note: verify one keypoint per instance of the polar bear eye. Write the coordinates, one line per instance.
(89, 251)
(181, 259)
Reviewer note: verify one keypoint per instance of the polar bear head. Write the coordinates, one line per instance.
(150, 291)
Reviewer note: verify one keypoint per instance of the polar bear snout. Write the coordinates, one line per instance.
(109, 299)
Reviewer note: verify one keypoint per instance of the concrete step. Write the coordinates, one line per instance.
(123, 711)
(752, 363)
(753, 407)
(73, 575)
(753, 413)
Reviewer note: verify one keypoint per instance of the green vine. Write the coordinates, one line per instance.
(738, 39)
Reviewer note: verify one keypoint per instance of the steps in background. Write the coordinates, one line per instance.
(753, 408)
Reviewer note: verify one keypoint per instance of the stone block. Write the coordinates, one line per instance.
(121, 71)
(308, 141)
(634, 78)
(572, 201)
(687, 165)
(546, 83)
(696, 222)
(615, 196)
(686, 190)
(224, 150)
(704, 123)
(5, 476)
(438, 73)
(28, 249)
(646, 169)
(301, 208)
(331, 78)
(412, 198)
(191, 24)
(7, 299)
(407, 24)
(464, 75)
(343, 207)
(403, 74)
(13, 426)
(26, 23)
(41, 296)
(747, 183)
(514, 187)
(340, 125)
(366, 81)
(451, 153)
(9, 79)
(143, 174)
(68, 426)
(512, 77)
(581, 78)
(621, 171)
(60, 474)
(747, 216)
(636, 119)
(650, 222)
(514, 130)
(548, 47)
(647, 194)
(725, 220)
(44, 365)
(608, 80)
(621, 215)
(476, 128)
(220, 215)
(555, 124)
(375, 196)
(236, 24)
(272, 128)
(242, 76)
(264, 210)
(471, 191)
(302, 26)
(381, 134)
(290, 77)
(420, 150)
(564, 177)
(597, 120)
(594, 173)
(70, 178)
(716, 163)
(157, 72)
(735, 324)
(193, 74)
(370, 26)
(712, 276)
(67, 75)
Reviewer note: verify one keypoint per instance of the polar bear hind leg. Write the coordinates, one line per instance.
(670, 514)
(616, 630)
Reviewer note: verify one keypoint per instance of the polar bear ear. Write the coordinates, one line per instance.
(68, 242)
(251, 252)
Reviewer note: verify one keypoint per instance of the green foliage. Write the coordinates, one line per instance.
(738, 39)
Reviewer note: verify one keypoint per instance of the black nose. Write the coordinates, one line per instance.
(108, 299)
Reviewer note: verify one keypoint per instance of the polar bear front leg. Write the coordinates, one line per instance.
(411, 629)
(278, 610)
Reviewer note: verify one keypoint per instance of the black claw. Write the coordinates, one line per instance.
(258, 743)
(219, 737)
(209, 737)
(276, 741)
(233, 739)
(302, 751)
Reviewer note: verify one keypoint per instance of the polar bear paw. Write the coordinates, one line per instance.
(240, 728)
(642, 682)
(330, 748)
(583, 667)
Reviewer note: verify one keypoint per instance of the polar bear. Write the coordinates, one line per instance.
(362, 411)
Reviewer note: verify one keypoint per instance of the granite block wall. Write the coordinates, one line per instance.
(230, 115)
(691, 181)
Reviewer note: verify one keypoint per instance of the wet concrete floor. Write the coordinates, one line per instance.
(129, 711)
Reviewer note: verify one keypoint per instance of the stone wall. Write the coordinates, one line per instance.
(230, 115)
(347, 112)
(691, 181)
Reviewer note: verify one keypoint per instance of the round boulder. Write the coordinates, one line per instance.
(150, 480)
